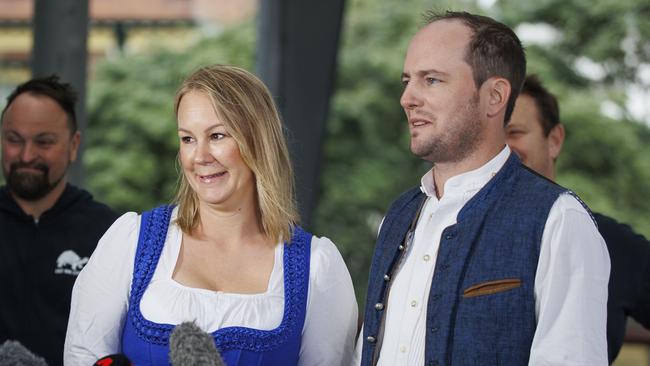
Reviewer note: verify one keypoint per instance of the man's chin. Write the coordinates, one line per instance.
(30, 187)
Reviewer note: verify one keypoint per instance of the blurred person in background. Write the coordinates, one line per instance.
(230, 255)
(536, 135)
(48, 227)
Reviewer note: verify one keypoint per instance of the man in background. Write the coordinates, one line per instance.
(48, 227)
(536, 135)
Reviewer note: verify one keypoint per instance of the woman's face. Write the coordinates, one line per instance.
(210, 157)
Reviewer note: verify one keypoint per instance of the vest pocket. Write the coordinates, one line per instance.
(492, 287)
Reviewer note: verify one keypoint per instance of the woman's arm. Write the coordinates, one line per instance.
(100, 295)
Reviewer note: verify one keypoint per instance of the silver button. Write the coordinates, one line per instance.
(371, 339)
(379, 306)
(386, 277)
(401, 247)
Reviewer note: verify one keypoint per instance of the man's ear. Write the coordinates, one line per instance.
(555, 141)
(497, 92)
(75, 140)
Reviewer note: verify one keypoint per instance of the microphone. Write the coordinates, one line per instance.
(113, 360)
(191, 346)
(13, 353)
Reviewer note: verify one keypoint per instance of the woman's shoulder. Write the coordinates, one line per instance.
(326, 263)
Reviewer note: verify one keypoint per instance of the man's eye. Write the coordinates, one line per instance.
(431, 81)
(405, 82)
(44, 142)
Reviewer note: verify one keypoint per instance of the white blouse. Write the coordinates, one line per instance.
(101, 293)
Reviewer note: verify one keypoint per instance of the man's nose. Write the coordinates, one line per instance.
(28, 153)
(410, 97)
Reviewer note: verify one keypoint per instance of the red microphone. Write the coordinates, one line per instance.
(113, 360)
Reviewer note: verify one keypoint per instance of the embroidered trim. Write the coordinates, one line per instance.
(153, 233)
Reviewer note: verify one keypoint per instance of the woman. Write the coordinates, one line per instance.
(229, 256)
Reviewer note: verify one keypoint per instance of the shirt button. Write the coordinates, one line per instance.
(379, 306)
(371, 339)
(414, 303)
(426, 257)
(402, 348)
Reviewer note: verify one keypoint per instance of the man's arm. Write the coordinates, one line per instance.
(571, 289)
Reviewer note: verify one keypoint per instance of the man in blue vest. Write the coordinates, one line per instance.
(486, 262)
(536, 135)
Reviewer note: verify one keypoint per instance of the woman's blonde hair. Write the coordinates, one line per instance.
(246, 108)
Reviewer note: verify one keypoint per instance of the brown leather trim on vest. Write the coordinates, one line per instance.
(492, 287)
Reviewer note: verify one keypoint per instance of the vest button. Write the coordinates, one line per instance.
(371, 339)
(449, 236)
(379, 306)
(433, 363)
(434, 329)
(386, 278)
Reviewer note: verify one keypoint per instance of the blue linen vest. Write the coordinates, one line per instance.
(481, 305)
(147, 343)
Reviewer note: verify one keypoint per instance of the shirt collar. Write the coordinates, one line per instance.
(472, 180)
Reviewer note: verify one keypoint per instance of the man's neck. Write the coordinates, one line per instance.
(36, 208)
(442, 172)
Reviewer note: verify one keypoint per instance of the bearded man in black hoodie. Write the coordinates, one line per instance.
(48, 227)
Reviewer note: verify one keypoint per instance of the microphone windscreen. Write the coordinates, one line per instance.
(114, 360)
(13, 353)
(191, 346)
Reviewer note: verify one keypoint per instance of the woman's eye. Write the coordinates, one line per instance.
(217, 136)
(186, 139)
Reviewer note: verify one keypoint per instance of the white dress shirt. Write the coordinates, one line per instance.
(101, 293)
(570, 283)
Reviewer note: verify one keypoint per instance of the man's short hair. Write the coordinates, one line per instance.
(547, 106)
(494, 50)
(62, 93)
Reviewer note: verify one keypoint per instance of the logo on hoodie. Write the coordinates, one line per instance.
(70, 263)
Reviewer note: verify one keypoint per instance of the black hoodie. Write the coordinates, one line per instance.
(39, 262)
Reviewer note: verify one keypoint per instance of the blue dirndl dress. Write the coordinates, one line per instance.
(147, 343)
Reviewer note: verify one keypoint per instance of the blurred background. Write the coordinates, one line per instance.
(594, 55)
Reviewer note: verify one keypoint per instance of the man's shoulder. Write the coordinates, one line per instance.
(619, 234)
(538, 181)
(84, 204)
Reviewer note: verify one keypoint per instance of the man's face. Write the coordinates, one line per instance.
(37, 146)
(526, 137)
(440, 99)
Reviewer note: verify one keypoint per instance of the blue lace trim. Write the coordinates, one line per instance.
(153, 232)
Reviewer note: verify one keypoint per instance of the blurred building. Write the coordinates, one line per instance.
(118, 26)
